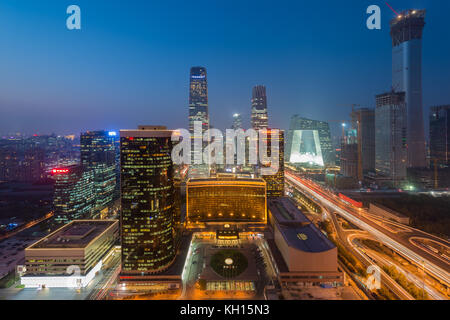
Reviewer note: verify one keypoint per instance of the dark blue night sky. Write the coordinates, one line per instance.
(130, 63)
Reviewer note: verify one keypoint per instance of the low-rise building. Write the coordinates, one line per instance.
(303, 254)
(71, 255)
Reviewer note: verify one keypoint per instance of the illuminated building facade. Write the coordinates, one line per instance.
(80, 245)
(259, 108)
(74, 196)
(148, 200)
(390, 136)
(97, 152)
(226, 199)
(406, 33)
(309, 142)
(275, 182)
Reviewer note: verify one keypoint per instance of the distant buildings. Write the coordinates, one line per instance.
(259, 115)
(390, 136)
(237, 121)
(406, 33)
(275, 182)
(74, 196)
(80, 246)
(309, 142)
(97, 152)
(148, 200)
(440, 136)
(27, 159)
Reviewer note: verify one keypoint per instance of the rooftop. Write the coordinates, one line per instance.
(76, 235)
(296, 228)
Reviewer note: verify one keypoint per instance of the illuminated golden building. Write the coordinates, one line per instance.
(226, 199)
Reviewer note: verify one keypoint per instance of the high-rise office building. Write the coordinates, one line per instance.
(148, 200)
(259, 108)
(237, 121)
(440, 136)
(406, 33)
(275, 182)
(74, 196)
(349, 154)
(390, 136)
(198, 112)
(363, 121)
(309, 142)
(97, 151)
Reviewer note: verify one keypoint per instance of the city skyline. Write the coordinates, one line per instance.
(120, 93)
(200, 151)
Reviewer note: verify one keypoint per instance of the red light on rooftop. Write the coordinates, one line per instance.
(60, 171)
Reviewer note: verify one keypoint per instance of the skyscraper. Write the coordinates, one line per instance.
(440, 136)
(309, 142)
(390, 136)
(97, 152)
(406, 33)
(363, 121)
(275, 182)
(198, 98)
(198, 112)
(74, 196)
(147, 197)
(259, 108)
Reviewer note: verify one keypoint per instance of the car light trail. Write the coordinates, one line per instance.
(430, 267)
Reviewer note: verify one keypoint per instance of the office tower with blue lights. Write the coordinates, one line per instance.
(97, 151)
(259, 108)
(406, 33)
(148, 201)
(390, 137)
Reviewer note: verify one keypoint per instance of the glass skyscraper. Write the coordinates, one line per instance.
(148, 200)
(406, 33)
(97, 152)
(390, 136)
(259, 108)
(198, 98)
(74, 196)
(198, 112)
